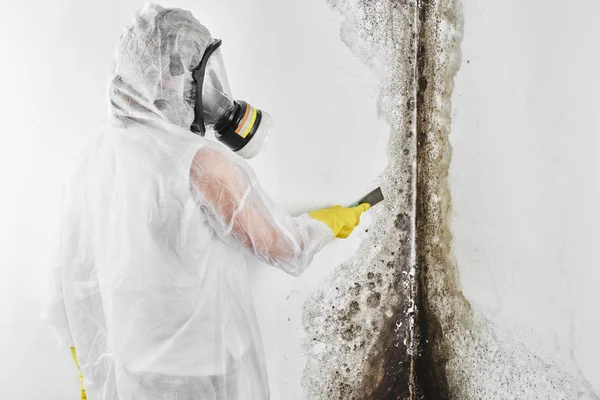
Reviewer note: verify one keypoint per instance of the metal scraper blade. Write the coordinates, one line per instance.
(375, 197)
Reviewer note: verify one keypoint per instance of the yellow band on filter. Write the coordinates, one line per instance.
(244, 120)
(251, 123)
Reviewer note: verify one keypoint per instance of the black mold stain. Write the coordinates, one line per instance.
(430, 377)
(432, 237)
(395, 363)
(422, 80)
(422, 376)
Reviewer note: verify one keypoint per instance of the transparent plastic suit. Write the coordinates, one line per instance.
(150, 282)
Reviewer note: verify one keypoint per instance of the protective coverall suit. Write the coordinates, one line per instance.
(150, 282)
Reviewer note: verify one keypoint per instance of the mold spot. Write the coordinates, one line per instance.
(349, 334)
(402, 222)
(353, 308)
(374, 299)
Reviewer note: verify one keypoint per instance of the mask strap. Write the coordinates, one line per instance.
(198, 124)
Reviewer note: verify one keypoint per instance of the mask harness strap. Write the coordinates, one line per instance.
(198, 124)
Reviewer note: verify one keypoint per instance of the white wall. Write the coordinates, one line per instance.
(55, 56)
(525, 178)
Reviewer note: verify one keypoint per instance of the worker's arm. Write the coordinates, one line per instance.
(242, 213)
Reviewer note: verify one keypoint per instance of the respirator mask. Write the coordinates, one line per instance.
(235, 123)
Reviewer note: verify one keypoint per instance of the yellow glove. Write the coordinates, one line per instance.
(341, 220)
(74, 354)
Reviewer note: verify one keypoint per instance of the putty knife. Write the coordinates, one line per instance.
(375, 197)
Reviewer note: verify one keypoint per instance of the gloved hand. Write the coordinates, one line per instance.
(341, 220)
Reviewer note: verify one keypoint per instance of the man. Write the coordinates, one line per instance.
(151, 284)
